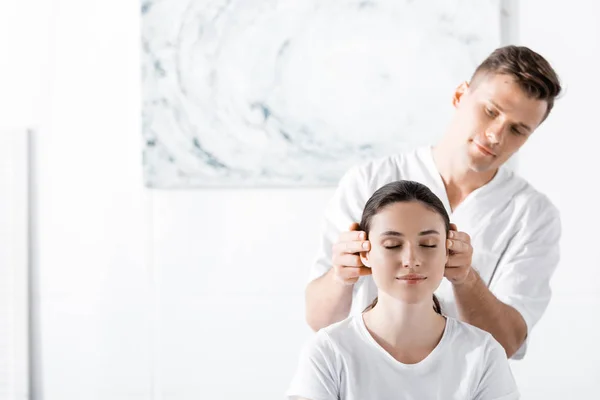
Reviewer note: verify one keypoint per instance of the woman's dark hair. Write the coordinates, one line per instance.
(402, 192)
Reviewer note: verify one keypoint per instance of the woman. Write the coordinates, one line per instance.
(402, 347)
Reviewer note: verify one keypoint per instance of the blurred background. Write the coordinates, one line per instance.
(112, 290)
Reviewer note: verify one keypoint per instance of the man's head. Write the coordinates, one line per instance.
(510, 94)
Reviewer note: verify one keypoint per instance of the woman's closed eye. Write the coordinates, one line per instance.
(397, 246)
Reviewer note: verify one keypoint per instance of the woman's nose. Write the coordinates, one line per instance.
(409, 258)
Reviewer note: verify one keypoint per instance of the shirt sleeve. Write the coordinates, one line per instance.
(344, 208)
(497, 381)
(319, 371)
(522, 279)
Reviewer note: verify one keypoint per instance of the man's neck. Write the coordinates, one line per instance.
(459, 180)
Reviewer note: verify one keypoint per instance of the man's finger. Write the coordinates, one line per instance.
(451, 271)
(453, 227)
(457, 246)
(461, 236)
(458, 263)
(353, 226)
(351, 247)
(352, 235)
(352, 272)
(458, 260)
(347, 272)
(348, 260)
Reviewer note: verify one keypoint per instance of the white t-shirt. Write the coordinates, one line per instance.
(344, 362)
(514, 231)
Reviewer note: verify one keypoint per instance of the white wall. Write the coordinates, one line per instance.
(562, 161)
(232, 266)
(70, 69)
(198, 294)
(94, 277)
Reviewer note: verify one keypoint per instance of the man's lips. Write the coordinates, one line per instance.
(484, 149)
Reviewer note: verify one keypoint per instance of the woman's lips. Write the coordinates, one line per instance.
(412, 278)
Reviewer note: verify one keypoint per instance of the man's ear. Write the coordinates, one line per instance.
(459, 92)
(364, 257)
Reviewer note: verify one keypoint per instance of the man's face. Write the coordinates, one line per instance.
(494, 118)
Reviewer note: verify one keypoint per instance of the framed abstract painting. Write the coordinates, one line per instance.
(272, 93)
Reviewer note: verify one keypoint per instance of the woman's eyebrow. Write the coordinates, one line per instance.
(391, 233)
(423, 233)
(429, 232)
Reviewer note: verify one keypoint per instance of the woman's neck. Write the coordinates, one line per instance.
(409, 332)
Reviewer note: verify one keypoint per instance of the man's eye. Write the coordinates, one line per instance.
(429, 246)
(392, 246)
(490, 112)
(517, 132)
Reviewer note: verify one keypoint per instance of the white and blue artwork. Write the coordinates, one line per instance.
(271, 93)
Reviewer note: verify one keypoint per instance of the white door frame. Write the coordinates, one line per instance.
(14, 264)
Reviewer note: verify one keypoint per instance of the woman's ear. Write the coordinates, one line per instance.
(364, 258)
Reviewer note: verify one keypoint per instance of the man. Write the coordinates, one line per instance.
(500, 283)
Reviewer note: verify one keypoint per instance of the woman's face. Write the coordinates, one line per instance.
(408, 251)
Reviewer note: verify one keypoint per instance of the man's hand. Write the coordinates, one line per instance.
(347, 266)
(458, 267)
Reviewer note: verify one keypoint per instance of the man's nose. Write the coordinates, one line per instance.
(493, 133)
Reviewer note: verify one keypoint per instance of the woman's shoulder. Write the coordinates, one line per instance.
(330, 343)
(342, 330)
(342, 336)
(484, 362)
(469, 336)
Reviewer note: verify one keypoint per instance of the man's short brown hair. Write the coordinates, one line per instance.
(531, 72)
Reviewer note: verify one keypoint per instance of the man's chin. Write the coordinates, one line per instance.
(480, 165)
